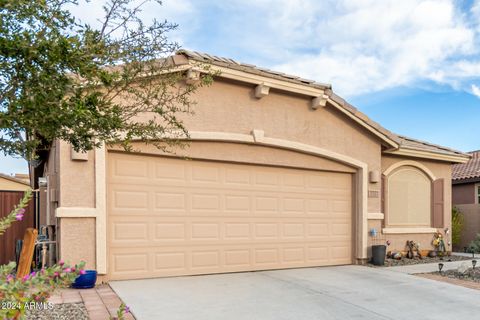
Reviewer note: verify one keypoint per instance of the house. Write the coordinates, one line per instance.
(17, 182)
(466, 196)
(280, 172)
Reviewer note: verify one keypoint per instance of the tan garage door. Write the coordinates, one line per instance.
(170, 216)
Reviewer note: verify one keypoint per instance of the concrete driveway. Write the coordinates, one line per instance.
(347, 292)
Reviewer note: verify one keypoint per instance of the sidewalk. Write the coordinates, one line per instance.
(101, 302)
(428, 267)
(463, 254)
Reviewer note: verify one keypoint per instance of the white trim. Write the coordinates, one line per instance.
(242, 76)
(101, 206)
(410, 163)
(376, 216)
(76, 212)
(408, 230)
(428, 155)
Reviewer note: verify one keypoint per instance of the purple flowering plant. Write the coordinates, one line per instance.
(36, 286)
(16, 214)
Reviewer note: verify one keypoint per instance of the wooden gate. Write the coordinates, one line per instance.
(8, 200)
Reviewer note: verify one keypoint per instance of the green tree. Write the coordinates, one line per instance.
(63, 79)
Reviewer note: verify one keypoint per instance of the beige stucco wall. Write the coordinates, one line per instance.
(236, 152)
(76, 185)
(9, 185)
(439, 170)
(76, 179)
(398, 241)
(231, 108)
(77, 236)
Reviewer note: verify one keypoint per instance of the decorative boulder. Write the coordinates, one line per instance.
(463, 267)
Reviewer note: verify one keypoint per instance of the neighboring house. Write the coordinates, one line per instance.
(281, 173)
(466, 196)
(11, 191)
(18, 182)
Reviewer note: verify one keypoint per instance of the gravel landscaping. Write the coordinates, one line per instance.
(471, 274)
(405, 261)
(64, 311)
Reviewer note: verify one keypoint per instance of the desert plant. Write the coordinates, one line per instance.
(33, 290)
(474, 246)
(121, 312)
(18, 294)
(457, 225)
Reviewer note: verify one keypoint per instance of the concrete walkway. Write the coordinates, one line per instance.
(348, 292)
(101, 302)
(429, 267)
(463, 254)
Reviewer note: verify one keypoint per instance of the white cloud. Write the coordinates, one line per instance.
(359, 46)
(370, 46)
(475, 90)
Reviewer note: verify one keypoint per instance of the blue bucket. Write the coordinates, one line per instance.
(85, 281)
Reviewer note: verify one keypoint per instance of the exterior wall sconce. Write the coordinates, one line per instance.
(374, 176)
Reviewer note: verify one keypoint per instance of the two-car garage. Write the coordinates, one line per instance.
(172, 216)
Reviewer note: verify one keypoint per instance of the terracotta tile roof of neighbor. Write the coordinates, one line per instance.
(402, 141)
(468, 170)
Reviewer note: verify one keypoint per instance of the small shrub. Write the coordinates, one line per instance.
(16, 294)
(457, 225)
(474, 246)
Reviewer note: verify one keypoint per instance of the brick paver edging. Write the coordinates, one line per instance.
(458, 282)
(101, 302)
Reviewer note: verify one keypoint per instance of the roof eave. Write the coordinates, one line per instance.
(466, 180)
(284, 85)
(13, 179)
(452, 158)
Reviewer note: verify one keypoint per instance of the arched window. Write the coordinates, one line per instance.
(409, 201)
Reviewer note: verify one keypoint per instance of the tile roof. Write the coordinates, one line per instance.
(414, 144)
(468, 170)
(402, 141)
(250, 68)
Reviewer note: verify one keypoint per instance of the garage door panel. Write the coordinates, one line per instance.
(171, 217)
(166, 231)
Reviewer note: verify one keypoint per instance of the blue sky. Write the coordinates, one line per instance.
(411, 65)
